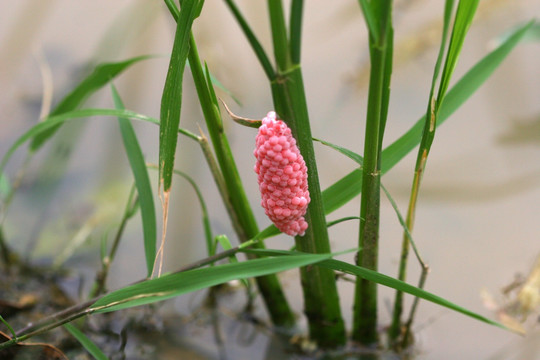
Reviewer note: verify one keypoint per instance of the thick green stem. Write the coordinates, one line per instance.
(365, 303)
(321, 298)
(269, 286)
(271, 291)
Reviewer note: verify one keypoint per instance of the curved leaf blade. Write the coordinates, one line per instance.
(345, 189)
(381, 279)
(171, 285)
(404, 287)
(142, 183)
(348, 187)
(100, 76)
(171, 100)
(88, 344)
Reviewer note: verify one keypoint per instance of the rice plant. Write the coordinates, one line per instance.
(287, 170)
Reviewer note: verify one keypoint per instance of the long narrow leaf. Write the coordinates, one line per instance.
(385, 280)
(52, 121)
(168, 286)
(102, 74)
(381, 279)
(345, 189)
(171, 101)
(371, 20)
(88, 344)
(458, 94)
(464, 17)
(142, 183)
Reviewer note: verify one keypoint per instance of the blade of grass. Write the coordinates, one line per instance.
(371, 20)
(100, 76)
(382, 279)
(402, 286)
(88, 344)
(464, 17)
(171, 104)
(272, 294)
(348, 187)
(171, 285)
(142, 183)
(78, 114)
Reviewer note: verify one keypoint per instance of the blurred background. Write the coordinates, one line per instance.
(477, 219)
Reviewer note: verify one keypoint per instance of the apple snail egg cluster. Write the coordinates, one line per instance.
(282, 176)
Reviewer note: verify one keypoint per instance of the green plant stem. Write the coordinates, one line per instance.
(395, 328)
(365, 302)
(407, 338)
(463, 19)
(279, 35)
(295, 37)
(101, 276)
(269, 286)
(321, 300)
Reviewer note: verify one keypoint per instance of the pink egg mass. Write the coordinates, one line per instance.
(282, 176)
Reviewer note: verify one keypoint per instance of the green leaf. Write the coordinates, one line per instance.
(348, 153)
(5, 186)
(102, 74)
(10, 328)
(457, 95)
(253, 41)
(171, 100)
(348, 187)
(464, 17)
(385, 280)
(345, 189)
(171, 285)
(381, 279)
(88, 344)
(53, 121)
(142, 183)
(371, 20)
(218, 83)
